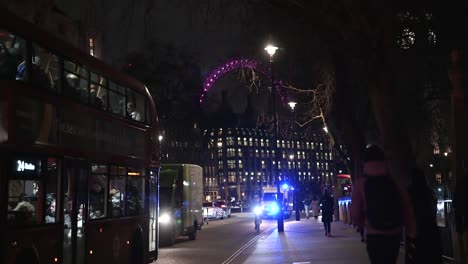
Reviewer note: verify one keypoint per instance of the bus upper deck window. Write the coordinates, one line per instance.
(12, 53)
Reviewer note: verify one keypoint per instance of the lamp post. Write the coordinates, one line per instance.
(292, 105)
(270, 49)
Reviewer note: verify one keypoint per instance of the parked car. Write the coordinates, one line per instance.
(212, 210)
(226, 206)
(236, 206)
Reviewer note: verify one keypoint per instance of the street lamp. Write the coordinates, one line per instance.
(270, 49)
(293, 104)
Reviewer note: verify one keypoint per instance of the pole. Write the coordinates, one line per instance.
(275, 148)
(459, 154)
(296, 176)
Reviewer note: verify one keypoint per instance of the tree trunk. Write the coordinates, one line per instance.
(459, 151)
(392, 128)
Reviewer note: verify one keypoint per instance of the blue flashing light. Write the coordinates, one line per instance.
(274, 209)
(285, 186)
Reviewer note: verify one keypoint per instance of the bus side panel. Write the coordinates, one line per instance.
(195, 194)
(46, 249)
(111, 240)
(187, 200)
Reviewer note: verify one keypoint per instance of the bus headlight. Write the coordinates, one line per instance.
(164, 218)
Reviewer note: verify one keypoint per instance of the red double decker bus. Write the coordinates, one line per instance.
(79, 163)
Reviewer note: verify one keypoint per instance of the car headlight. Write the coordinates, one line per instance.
(164, 218)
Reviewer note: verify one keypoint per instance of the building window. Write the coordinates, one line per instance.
(231, 164)
(232, 177)
(231, 152)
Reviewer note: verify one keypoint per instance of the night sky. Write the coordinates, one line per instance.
(212, 32)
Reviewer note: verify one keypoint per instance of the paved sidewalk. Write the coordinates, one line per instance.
(305, 242)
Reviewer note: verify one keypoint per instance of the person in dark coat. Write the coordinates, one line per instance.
(460, 203)
(327, 211)
(427, 245)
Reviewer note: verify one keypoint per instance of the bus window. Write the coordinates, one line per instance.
(135, 106)
(25, 193)
(116, 99)
(23, 202)
(117, 190)
(116, 195)
(76, 81)
(12, 53)
(97, 196)
(51, 185)
(45, 69)
(98, 91)
(135, 192)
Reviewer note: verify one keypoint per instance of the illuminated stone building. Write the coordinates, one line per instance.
(239, 162)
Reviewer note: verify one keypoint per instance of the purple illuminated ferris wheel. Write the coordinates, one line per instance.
(235, 64)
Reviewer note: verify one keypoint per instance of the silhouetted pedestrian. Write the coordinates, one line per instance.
(315, 205)
(461, 212)
(307, 207)
(428, 248)
(327, 211)
(382, 207)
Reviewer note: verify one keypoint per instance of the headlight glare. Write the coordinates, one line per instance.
(164, 218)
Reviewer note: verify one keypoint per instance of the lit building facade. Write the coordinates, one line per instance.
(239, 162)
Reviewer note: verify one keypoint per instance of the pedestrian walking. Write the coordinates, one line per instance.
(427, 245)
(327, 211)
(307, 207)
(460, 202)
(382, 207)
(315, 205)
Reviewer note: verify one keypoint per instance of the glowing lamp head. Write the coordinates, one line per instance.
(285, 186)
(270, 49)
(292, 105)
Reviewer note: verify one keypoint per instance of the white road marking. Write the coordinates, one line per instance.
(245, 246)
